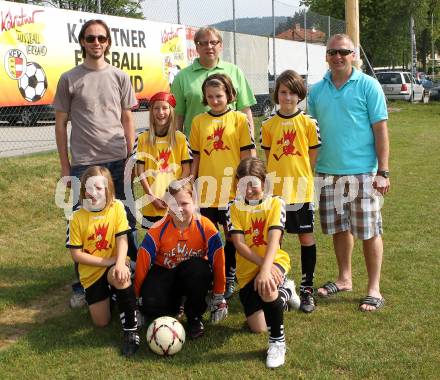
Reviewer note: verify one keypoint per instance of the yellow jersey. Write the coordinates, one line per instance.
(162, 164)
(95, 232)
(288, 140)
(254, 221)
(218, 140)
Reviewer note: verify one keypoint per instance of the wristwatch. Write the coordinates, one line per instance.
(383, 173)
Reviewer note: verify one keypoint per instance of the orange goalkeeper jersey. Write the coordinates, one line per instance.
(167, 246)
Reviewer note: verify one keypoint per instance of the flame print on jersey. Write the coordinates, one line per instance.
(100, 238)
(217, 141)
(257, 230)
(162, 160)
(287, 145)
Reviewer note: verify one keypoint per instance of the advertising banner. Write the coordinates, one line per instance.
(38, 44)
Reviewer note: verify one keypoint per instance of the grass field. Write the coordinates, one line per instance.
(41, 338)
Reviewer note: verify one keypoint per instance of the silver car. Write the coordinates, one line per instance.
(397, 85)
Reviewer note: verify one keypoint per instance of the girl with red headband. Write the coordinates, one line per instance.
(162, 155)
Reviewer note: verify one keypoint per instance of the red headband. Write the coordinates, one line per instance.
(165, 97)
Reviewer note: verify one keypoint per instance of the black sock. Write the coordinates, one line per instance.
(285, 294)
(127, 308)
(273, 313)
(308, 263)
(132, 245)
(229, 261)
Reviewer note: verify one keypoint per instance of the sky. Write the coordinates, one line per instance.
(198, 13)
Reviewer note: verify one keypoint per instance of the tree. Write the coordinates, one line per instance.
(384, 26)
(126, 8)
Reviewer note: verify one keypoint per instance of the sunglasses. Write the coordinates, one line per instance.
(91, 38)
(206, 43)
(341, 52)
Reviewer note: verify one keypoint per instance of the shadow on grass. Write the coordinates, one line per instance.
(25, 283)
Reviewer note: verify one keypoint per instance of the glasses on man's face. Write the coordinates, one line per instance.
(91, 38)
(207, 43)
(342, 52)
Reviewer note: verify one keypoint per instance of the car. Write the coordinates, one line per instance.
(397, 85)
(435, 91)
(27, 115)
(264, 106)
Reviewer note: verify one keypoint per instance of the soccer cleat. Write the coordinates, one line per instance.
(131, 343)
(293, 302)
(229, 291)
(195, 328)
(276, 354)
(78, 298)
(140, 319)
(307, 299)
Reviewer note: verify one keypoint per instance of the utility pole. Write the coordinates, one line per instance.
(432, 47)
(413, 55)
(352, 27)
(234, 25)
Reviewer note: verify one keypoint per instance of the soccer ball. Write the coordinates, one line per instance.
(33, 83)
(165, 336)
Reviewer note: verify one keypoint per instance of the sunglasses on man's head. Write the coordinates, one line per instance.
(206, 43)
(91, 38)
(342, 52)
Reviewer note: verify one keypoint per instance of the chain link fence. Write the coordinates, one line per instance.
(248, 28)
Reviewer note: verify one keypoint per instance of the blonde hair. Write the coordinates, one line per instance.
(172, 128)
(339, 37)
(178, 185)
(205, 30)
(94, 171)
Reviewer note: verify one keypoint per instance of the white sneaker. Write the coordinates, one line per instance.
(77, 300)
(294, 302)
(276, 355)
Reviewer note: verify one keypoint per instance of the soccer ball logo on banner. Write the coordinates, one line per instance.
(30, 76)
(33, 83)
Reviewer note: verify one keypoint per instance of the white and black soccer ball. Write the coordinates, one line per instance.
(33, 84)
(165, 336)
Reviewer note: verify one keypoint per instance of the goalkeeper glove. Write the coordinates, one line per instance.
(218, 308)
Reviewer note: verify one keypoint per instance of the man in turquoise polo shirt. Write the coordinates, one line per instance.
(187, 85)
(352, 167)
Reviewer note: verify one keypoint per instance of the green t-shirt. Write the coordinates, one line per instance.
(187, 89)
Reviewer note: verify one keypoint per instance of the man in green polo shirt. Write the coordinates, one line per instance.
(187, 85)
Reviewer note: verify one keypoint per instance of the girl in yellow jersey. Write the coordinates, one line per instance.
(97, 239)
(162, 155)
(256, 224)
(219, 139)
(290, 140)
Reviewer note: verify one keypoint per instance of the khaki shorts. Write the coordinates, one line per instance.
(349, 203)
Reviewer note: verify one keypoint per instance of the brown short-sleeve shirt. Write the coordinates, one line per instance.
(94, 100)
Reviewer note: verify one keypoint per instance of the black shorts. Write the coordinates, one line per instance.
(215, 215)
(250, 299)
(300, 219)
(99, 291)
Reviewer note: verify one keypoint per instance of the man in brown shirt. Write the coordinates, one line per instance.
(97, 98)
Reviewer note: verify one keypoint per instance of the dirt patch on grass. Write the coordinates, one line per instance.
(394, 109)
(17, 320)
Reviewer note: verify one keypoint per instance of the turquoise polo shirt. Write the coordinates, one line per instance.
(187, 89)
(346, 116)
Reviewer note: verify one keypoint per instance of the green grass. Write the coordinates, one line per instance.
(336, 341)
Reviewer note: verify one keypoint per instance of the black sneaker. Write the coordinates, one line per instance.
(131, 343)
(195, 328)
(229, 290)
(307, 300)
